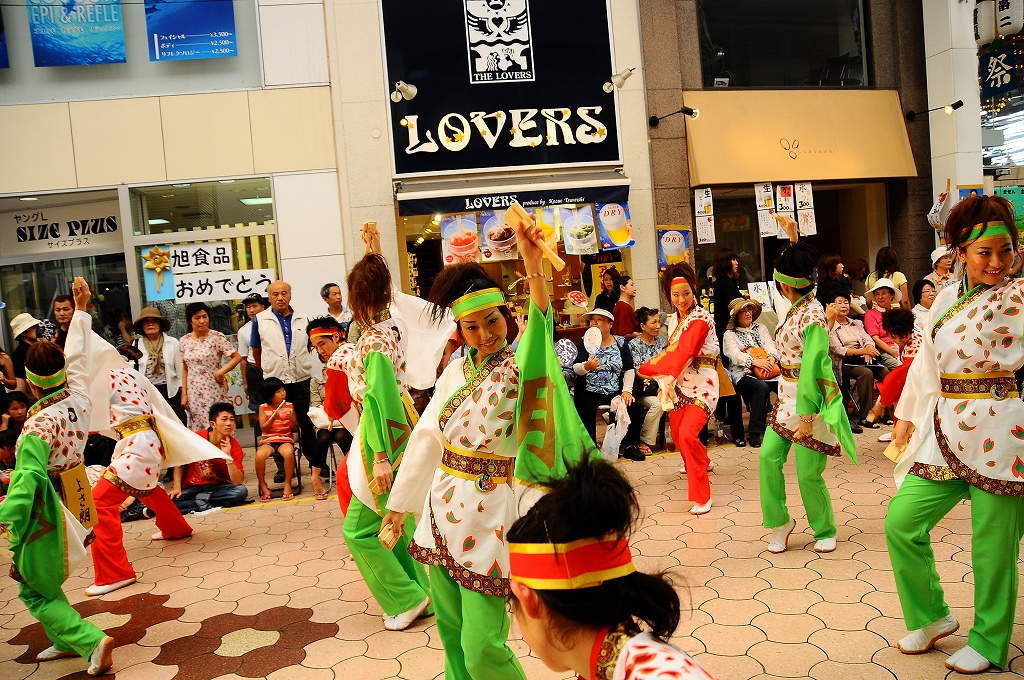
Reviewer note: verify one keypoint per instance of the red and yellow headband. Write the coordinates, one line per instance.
(584, 563)
(318, 332)
(680, 280)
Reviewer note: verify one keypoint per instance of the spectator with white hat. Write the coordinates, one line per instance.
(886, 295)
(23, 328)
(942, 267)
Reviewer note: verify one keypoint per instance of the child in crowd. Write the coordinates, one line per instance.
(576, 595)
(8, 443)
(15, 411)
(277, 422)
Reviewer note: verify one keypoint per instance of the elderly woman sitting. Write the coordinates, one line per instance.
(854, 357)
(750, 349)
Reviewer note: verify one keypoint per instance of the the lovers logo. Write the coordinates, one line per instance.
(499, 42)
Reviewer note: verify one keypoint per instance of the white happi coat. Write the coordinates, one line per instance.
(980, 440)
(644, 657)
(698, 383)
(135, 465)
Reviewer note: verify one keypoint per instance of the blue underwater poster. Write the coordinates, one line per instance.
(190, 29)
(4, 63)
(76, 32)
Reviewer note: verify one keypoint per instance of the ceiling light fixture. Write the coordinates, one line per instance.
(159, 221)
(257, 201)
(653, 121)
(28, 198)
(948, 108)
(618, 80)
(403, 90)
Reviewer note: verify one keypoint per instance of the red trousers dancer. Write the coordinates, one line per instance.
(686, 423)
(133, 471)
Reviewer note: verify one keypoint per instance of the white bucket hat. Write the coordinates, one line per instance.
(887, 283)
(939, 253)
(601, 312)
(22, 323)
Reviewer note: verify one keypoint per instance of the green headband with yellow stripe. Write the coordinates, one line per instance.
(988, 229)
(791, 280)
(45, 382)
(477, 300)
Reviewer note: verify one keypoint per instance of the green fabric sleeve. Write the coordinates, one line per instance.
(382, 403)
(818, 390)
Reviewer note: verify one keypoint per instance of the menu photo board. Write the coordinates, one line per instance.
(460, 239)
(616, 227)
(190, 29)
(674, 244)
(76, 33)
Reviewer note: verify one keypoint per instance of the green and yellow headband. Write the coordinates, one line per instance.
(477, 300)
(792, 280)
(988, 230)
(46, 382)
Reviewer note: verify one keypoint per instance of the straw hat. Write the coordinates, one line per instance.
(151, 313)
(738, 305)
(887, 283)
(22, 323)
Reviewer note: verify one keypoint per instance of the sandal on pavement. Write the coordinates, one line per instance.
(265, 496)
(645, 449)
(287, 496)
(825, 545)
(405, 619)
(52, 654)
(94, 590)
(320, 495)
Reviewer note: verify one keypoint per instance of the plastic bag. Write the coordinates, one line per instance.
(616, 430)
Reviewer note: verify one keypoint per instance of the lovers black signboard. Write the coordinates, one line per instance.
(500, 84)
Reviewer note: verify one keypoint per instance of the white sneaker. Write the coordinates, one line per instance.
(94, 590)
(682, 470)
(825, 545)
(701, 509)
(159, 536)
(52, 653)
(102, 657)
(405, 619)
(780, 537)
(967, 661)
(711, 466)
(887, 437)
(923, 639)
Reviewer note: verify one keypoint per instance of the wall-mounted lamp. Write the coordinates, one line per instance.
(618, 80)
(653, 121)
(403, 90)
(948, 108)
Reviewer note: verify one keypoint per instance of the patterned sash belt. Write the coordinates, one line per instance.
(705, 362)
(485, 469)
(133, 425)
(994, 385)
(790, 373)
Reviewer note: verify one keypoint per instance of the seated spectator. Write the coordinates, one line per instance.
(942, 267)
(8, 444)
(832, 277)
(277, 421)
(23, 329)
(606, 374)
(325, 334)
(924, 296)
(643, 426)
(625, 324)
(213, 483)
(899, 324)
(886, 295)
(852, 351)
(15, 407)
(743, 339)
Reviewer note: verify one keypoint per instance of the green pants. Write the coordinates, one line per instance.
(474, 631)
(813, 491)
(61, 623)
(997, 526)
(397, 581)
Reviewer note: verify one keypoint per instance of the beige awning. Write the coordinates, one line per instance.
(751, 136)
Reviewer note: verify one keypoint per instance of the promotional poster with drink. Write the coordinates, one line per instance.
(499, 239)
(616, 228)
(673, 245)
(578, 225)
(460, 239)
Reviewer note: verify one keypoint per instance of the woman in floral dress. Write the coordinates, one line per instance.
(961, 433)
(203, 381)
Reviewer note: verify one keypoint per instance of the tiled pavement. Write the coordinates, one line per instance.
(268, 591)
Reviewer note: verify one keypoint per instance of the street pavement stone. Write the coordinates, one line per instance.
(270, 591)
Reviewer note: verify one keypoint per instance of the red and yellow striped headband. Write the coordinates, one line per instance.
(318, 332)
(584, 563)
(680, 280)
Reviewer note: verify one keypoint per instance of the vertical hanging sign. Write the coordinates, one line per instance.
(76, 33)
(4, 63)
(190, 29)
(704, 223)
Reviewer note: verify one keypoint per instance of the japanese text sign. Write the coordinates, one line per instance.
(228, 285)
(202, 257)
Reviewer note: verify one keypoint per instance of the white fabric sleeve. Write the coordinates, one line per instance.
(768, 342)
(732, 351)
(77, 350)
(627, 380)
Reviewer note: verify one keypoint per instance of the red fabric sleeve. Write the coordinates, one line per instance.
(625, 319)
(237, 454)
(890, 389)
(337, 400)
(674, 358)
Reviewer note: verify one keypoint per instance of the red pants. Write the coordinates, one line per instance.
(342, 484)
(686, 424)
(109, 560)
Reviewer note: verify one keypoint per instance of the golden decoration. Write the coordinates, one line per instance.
(159, 261)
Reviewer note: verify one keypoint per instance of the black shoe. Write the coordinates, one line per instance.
(133, 512)
(633, 453)
(856, 429)
(755, 441)
(147, 513)
(868, 424)
(740, 443)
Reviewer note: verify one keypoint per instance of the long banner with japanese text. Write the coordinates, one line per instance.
(232, 285)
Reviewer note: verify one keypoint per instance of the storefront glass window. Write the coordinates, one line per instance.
(735, 227)
(786, 43)
(171, 208)
(31, 287)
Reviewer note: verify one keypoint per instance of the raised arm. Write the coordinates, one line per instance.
(79, 343)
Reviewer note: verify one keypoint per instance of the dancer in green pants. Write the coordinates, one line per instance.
(961, 435)
(809, 412)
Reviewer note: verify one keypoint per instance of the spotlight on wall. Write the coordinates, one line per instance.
(654, 121)
(618, 80)
(403, 90)
(948, 108)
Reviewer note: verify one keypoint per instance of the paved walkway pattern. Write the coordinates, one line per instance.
(269, 591)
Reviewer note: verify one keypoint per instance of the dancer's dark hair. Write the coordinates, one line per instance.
(323, 322)
(45, 358)
(682, 269)
(369, 287)
(798, 260)
(594, 500)
(975, 210)
(898, 322)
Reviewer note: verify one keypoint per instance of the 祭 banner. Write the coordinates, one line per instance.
(76, 33)
(190, 29)
(4, 62)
